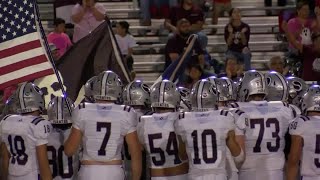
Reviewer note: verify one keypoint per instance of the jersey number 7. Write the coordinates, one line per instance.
(107, 126)
(275, 134)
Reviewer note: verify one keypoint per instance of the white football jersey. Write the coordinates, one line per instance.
(265, 128)
(22, 134)
(205, 134)
(156, 133)
(62, 167)
(104, 127)
(309, 129)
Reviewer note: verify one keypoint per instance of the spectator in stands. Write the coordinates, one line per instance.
(237, 36)
(155, 9)
(87, 15)
(311, 59)
(194, 73)
(192, 13)
(277, 64)
(126, 42)
(299, 29)
(233, 69)
(218, 10)
(60, 39)
(317, 18)
(177, 43)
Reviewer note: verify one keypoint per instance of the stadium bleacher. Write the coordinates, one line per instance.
(149, 58)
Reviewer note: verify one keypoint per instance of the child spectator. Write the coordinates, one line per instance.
(60, 39)
(237, 36)
(233, 69)
(126, 42)
(278, 64)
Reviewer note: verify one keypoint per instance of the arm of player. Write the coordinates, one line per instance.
(235, 149)
(182, 150)
(294, 157)
(136, 157)
(5, 161)
(42, 156)
(73, 142)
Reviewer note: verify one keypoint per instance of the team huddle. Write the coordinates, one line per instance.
(266, 127)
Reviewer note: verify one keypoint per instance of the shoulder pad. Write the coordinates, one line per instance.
(234, 105)
(181, 115)
(37, 120)
(5, 117)
(304, 118)
(82, 105)
(285, 104)
(294, 112)
(224, 112)
(127, 108)
(149, 113)
(239, 112)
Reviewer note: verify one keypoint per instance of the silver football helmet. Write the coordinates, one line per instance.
(225, 89)
(164, 94)
(58, 112)
(204, 96)
(311, 100)
(277, 87)
(28, 98)
(297, 88)
(88, 88)
(252, 83)
(137, 93)
(185, 94)
(107, 86)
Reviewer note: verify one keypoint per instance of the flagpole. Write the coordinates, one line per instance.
(50, 54)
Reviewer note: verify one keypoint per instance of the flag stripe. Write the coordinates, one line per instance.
(25, 72)
(21, 57)
(17, 41)
(19, 65)
(20, 48)
(29, 77)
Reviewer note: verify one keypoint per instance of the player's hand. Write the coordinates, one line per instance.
(244, 30)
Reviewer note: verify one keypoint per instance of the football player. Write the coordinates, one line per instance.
(263, 131)
(25, 137)
(226, 95)
(305, 139)
(101, 128)
(297, 88)
(137, 95)
(156, 134)
(62, 167)
(207, 132)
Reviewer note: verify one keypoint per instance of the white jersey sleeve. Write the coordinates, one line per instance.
(240, 121)
(76, 117)
(130, 121)
(297, 127)
(41, 131)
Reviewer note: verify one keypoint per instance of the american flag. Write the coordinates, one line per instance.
(22, 56)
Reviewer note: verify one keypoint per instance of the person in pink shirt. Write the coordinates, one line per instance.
(87, 15)
(299, 29)
(60, 39)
